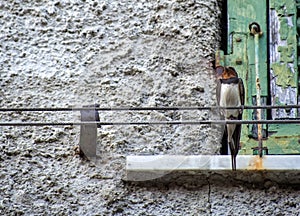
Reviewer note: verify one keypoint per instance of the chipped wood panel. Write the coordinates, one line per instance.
(283, 57)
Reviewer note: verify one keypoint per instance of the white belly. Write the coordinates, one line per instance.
(230, 97)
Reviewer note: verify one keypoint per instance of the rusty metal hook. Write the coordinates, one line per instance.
(254, 28)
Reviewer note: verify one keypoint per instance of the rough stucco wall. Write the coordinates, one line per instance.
(115, 53)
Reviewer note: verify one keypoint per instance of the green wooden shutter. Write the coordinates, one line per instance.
(277, 65)
(284, 75)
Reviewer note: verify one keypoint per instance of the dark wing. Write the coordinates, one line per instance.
(236, 136)
(218, 91)
(224, 141)
(242, 96)
(242, 91)
(237, 133)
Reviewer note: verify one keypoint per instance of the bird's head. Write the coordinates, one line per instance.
(225, 72)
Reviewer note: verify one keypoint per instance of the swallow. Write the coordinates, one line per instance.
(231, 93)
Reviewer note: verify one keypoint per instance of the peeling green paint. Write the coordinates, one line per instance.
(287, 30)
(284, 7)
(292, 37)
(286, 54)
(284, 28)
(285, 76)
(283, 139)
(287, 17)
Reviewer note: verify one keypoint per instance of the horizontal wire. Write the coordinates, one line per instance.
(63, 109)
(36, 109)
(286, 121)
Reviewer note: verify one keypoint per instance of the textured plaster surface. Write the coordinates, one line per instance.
(67, 53)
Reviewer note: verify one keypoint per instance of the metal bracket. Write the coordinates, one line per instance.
(88, 132)
(255, 29)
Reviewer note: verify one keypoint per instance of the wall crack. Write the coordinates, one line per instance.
(209, 197)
